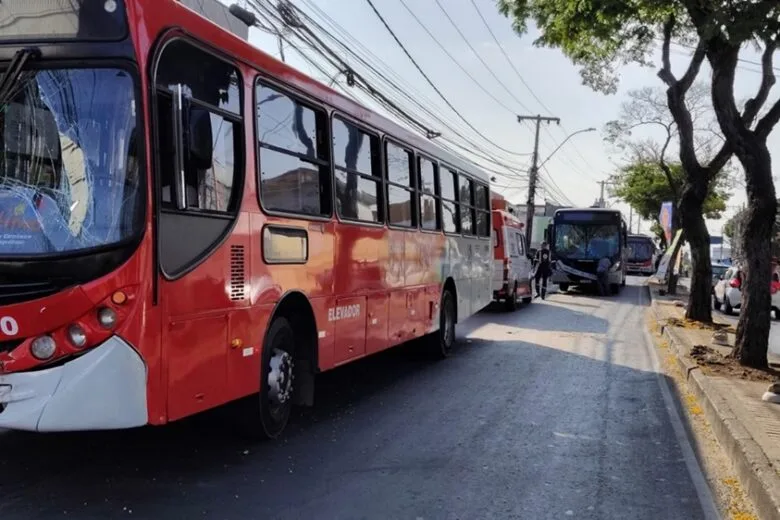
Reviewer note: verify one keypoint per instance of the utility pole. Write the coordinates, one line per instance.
(602, 202)
(534, 174)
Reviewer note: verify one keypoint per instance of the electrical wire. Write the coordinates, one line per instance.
(473, 146)
(390, 107)
(430, 82)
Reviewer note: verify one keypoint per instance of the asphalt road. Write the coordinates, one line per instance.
(554, 411)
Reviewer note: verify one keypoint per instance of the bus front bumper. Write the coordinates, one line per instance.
(103, 389)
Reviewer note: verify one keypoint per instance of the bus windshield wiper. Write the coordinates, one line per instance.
(14, 70)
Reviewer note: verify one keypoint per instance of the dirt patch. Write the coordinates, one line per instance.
(713, 362)
(690, 324)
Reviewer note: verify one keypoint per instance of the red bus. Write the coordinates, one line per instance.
(512, 266)
(188, 222)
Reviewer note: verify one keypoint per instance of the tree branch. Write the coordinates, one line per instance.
(665, 167)
(767, 82)
(693, 67)
(666, 74)
(719, 161)
(768, 122)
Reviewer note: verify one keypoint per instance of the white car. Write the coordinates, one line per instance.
(727, 294)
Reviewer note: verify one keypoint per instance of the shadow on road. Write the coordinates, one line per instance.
(550, 315)
(392, 436)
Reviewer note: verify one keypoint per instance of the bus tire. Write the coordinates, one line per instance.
(563, 287)
(265, 415)
(441, 342)
(511, 300)
(615, 288)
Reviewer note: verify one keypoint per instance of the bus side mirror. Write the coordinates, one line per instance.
(199, 138)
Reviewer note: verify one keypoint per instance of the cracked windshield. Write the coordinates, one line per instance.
(68, 162)
(389, 259)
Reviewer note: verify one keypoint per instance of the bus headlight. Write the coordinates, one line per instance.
(77, 336)
(43, 348)
(107, 317)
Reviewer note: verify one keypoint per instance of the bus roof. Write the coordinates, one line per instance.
(594, 210)
(243, 51)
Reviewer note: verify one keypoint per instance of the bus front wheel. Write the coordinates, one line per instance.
(266, 415)
(563, 287)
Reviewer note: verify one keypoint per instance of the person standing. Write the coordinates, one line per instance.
(543, 270)
(602, 270)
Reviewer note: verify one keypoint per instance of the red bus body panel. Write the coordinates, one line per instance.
(202, 348)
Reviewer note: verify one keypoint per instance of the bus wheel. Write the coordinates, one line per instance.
(511, 301)
(563, 287)
(276, 392)
(441, 342)
(615, 288)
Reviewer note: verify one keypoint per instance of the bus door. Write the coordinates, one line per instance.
(202, 244)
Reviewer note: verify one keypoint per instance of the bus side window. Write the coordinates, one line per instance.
(358, 173)
(166, 151)
(200, 128)
(399, 164)
(520, 244)
(428, 182)
(294, 170)
(448, 188)
(466, 201)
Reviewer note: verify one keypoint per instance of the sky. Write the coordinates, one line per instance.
(547, 84)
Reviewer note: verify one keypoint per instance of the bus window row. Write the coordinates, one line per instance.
(376, 181)
(310, 164)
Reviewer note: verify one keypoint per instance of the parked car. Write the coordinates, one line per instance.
(718, 270)
(727, 292)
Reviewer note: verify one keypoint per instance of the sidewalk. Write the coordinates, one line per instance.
(747, 428)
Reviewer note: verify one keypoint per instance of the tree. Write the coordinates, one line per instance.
(599, 36)
(734, 229)
(644, 185)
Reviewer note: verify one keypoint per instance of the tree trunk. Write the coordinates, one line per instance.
(754, 316)
(690, 208)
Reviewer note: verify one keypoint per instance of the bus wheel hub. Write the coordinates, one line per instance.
(280, 377)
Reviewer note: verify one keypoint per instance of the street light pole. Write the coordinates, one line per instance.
(591, 129)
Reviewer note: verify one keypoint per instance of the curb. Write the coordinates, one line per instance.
(753, 468)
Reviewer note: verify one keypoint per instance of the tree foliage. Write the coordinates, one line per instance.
(645, 186)
(601, 35)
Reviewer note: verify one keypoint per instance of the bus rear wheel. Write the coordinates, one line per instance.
(441, 342)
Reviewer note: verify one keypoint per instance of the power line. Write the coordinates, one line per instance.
(384, 101)
(487, 67)
(455, 60)
(428, 80)
(419, 99)
(393, 86)
(506, 56)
